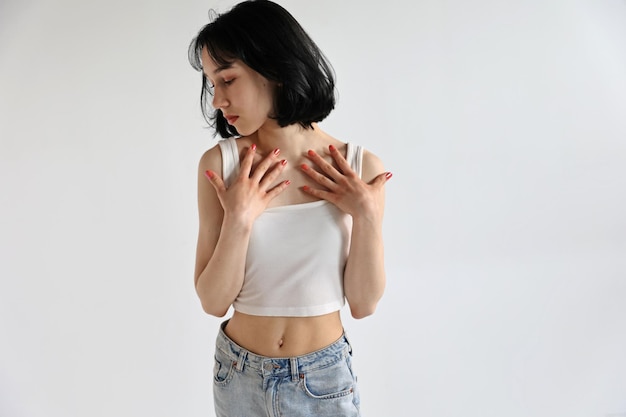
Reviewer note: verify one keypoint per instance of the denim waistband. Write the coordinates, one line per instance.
(280, 367)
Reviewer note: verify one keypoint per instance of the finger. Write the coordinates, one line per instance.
(215, 181)
(246, 164)
(265, 165)
(381, 179)
(272, 174)
(343, 165)
(319, 178)
(277, 190)
(325, 166)
(324, 195)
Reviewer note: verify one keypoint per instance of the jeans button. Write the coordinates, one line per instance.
(268, 366)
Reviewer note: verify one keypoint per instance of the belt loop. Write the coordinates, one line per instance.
(294, 369)
(241, 360)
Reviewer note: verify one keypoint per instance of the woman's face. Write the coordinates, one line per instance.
(244, 96)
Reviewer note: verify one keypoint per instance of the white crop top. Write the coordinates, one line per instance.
(297, 253)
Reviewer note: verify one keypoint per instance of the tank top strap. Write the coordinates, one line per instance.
(354, 156)
(230, 160)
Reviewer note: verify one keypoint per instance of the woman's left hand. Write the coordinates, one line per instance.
(344, 188)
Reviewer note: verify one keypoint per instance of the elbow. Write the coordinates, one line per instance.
(360, 312)
(214, 310)
(361, 307)
(211, 304)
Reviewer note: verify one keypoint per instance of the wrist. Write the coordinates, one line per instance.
(237, 224)
(370, 221)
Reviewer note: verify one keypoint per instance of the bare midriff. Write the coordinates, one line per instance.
(280, 337)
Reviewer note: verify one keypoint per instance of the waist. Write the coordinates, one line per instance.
(277, 366)
(282, 336)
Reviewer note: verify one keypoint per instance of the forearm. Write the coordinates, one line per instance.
(364, 276)
(221, 280)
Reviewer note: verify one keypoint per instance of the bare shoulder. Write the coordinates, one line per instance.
(372, 166)
(209, 207)
(211, 159)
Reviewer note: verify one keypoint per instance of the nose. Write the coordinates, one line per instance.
(219, 99)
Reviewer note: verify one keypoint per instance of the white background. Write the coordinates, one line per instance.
(503, 123)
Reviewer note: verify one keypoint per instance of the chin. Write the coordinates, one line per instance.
(246, 130)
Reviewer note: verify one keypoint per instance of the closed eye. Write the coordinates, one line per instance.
(211, 86)
(208, 84)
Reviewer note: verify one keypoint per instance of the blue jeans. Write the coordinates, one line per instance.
(318, 384)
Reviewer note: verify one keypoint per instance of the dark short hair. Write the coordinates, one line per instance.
(268, 39)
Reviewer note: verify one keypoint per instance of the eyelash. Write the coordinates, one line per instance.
(225, 82)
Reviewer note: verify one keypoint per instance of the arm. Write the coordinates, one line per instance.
(364, 275)
(226, 217)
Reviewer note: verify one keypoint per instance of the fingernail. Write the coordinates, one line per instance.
(209, 174)
(388, 175)
(283, 162)
(304, 166)
(332, 148)
(287, 182)
(276, 151)
(253, 147)
(306, 188)
(311, 153)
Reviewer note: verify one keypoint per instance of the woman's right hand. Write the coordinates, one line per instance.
(248, 196)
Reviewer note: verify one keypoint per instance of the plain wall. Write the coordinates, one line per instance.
(504, 126)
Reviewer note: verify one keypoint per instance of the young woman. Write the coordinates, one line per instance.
(290, 220)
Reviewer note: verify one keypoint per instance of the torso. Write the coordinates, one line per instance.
(287, 336)
(280, 337)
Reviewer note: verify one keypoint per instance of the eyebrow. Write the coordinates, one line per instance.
(220, 68)
(223, 67)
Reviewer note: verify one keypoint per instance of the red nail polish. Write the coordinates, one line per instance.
(209, 174)
(311, 153)
(283, 162)
(332, 148)
(388, 175)
(304, 166)
(276, 151)
(306, 188)
(287, 182)
(253, 147)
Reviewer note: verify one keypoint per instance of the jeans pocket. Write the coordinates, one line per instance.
(223, 369)
(335, 381)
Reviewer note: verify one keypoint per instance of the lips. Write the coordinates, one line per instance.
(231, 119)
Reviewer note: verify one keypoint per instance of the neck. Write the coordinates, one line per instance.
(293, 139)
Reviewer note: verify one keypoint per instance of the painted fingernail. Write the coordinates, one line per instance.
(304, 166)
(283, 162)
(287, 182)
(276, 151)
(388, 175)
(209, 174)
(253, 147)
(306, 188)
(311, 153)
(332, 148)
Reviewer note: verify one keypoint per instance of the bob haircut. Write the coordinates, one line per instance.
(268, 39)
